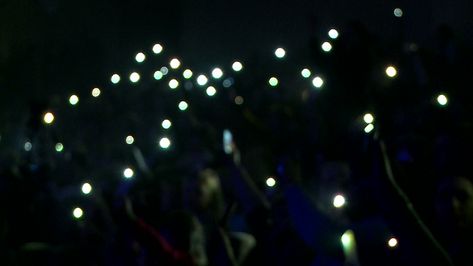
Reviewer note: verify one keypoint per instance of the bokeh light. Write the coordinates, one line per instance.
(339, 201)
(211, 91)
(140, 57)
(175, 63)
(129, 139)
(217, 73)
(318, 82)
(86, 188)
(166, 124)
(368, 118)
(280, 53)
(237, 66)
(187, 74)
(48, 118)
(306, 73)
(77, 213)
(164, 70)
(96, 92)
(348, 240)
(134, 77)
(59, 147)
(28, 146)
(369, 128)
(73, 99)
(158, 75)
(164, 143)
(183, 105)
(273, 81)
(442, 100)
(239, 100)
(270, 182)
(391, 71)
(392, 242)
(173, 84)
(157, 48)
(128, 173)
(326, 47)
(398, 12)
(333, 34)
(115, 78)
(202, 80)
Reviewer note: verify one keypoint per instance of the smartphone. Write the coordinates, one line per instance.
(227, 141)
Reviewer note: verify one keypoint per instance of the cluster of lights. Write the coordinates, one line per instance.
(368, 119)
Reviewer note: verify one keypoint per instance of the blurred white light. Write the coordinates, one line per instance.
(305, 73)
(175, 63)
(211, 91)
(237, 66)
(398, 12)
(318, 82)
(157, 48)
(338, 201)
(74, 99)
(202, 80)
(140, 57)
(77, 213)
(164, 143)
(158, 75)
(96, 92)
(333, 34)
(28, 146)
(368, 118)
(227, 83)
(326, 47)
(187, 74)
(86, 188)
(239, 100)
(164, 70)
(129, 140)
(134, 77)
(270, 182)
(273, 81)
(392, 242)
(391, 71)
(166, 124)
(369, 128)
(173, 84)
(183, 106)
(442, 99)
(59, 147)
(217, 73)
(115, 78)
(128, 173)
(280, 53)
(48, 118)
(348, 239)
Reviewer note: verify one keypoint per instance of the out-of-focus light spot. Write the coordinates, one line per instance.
(140, 57)
(173, 84)
(280, 53)
(318, 82)
(398, 12)
(273, 81)
(77, 213)
(348, 240)
(164, 143)
(237, 66)
(128, 173)
(239, 100)
(175, 63)
(129, 140)
(157, 48)
(369, 128)
(134, 77)
(183, 105)
(368, 118)
(86, 188)
(28, 146)
(217, 73)
(115, 78)
(306, 73)
(270, 182)
(442, 100)
(164, 70)
(166, 124)
(158, 75)
(48, 118)
(96, 92)
(227, 83)
(391, 71)
(59, 147)
(202, 80)
(74, 99)
(187, 74)
(326, 47)
(211, 91)
(392, 242)
(333, 34)
(339, 201)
